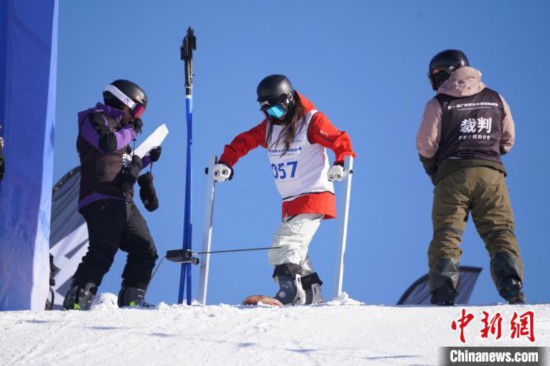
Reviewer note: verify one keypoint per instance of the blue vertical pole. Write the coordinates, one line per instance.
(187, 48)
(185, 276)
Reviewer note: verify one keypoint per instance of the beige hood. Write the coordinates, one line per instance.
(463, 82)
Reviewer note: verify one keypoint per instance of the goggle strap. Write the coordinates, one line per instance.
(121, 96)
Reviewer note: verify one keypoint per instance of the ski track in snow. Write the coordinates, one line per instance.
(342, 332)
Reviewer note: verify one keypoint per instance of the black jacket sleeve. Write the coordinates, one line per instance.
(107, 139)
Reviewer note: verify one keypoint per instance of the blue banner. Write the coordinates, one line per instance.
(28, 62)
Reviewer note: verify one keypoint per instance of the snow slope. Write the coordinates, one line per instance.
(342, 332)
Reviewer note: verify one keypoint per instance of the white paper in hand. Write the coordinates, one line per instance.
(155, 139)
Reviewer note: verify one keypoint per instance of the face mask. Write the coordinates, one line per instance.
(277, 111)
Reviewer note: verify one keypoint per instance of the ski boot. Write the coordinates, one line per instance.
(444, 295)
(443, 278)
(312, 286)
(510, 289)
(505, 270)
(290, 284)
(80, 296)
(132, 297)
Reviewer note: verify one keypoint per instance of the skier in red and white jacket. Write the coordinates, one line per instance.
(296, 137)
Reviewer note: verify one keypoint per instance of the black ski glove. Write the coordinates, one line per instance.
(154, 154)
(131, 174)
(137, 125)
(147, 192)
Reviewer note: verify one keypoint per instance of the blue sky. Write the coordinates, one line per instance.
(364, 64)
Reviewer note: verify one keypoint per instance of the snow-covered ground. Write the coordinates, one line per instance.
(342, 332)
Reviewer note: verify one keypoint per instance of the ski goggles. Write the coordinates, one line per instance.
(136, 109)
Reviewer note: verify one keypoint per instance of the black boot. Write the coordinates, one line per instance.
(132, 296)
(80, 296)
(290, 290)
(290, 284)
(444, 295)
(443, 277)
(510, 289)
(312, 286)
(505, 270)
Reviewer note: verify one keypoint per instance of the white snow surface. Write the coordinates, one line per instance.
(340, 332)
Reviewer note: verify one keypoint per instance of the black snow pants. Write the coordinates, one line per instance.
(112, 225)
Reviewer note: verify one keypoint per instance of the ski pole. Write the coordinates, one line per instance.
(207, 229)
(187, 256)
(343, 223)
(238, 250)
(187, 48)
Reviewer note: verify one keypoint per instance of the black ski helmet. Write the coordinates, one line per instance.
(444, 64)
(275, 90)
(122, 93)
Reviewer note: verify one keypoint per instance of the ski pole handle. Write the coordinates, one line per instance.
(189, 44)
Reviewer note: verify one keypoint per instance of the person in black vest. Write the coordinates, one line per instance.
(465, 130)
(108, 173)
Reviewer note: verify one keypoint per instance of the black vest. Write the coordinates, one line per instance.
(471, 127)
(101, 172)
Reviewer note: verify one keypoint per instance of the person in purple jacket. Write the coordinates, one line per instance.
(108, 173)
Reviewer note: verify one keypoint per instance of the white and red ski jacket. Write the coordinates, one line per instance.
(300, 174)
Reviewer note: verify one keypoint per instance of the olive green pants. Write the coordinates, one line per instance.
(482, 192)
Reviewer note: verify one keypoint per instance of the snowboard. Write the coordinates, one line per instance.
(261, 299)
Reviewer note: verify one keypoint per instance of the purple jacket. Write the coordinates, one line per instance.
(102, 144)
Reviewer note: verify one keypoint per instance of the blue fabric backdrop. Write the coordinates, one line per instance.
(28, 61)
